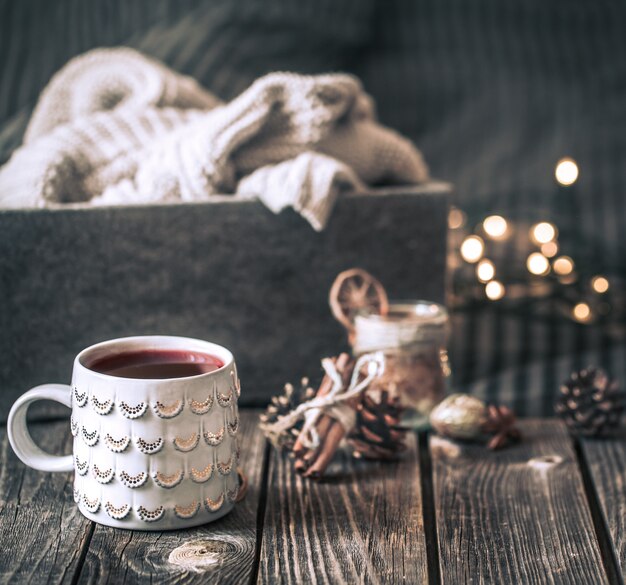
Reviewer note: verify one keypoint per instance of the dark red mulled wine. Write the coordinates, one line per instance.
(156, 364)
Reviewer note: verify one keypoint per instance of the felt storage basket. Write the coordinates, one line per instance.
(227, 270)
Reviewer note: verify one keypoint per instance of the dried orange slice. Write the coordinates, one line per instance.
(355, 291)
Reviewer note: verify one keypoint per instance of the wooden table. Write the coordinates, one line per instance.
(548, 510)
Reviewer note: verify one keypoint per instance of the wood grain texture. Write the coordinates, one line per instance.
(220, 552)
(42, 533)
(514, 516)
(362, 524)
(606, 461)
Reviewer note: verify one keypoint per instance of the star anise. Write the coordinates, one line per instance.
(501, 423)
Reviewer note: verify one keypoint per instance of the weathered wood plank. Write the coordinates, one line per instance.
(606, 461)
(42, 533)
(363, 524)
(220, 552)
(519, 515)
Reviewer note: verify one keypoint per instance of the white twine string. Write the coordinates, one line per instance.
(332, 403)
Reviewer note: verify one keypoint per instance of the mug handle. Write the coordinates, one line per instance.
(19, 437)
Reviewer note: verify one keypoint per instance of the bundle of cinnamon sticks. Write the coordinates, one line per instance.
(312, 462)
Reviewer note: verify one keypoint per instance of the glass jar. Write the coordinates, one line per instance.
(411, 343)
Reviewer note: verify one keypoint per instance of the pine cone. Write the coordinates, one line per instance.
(590, 403)
(291, 398)
(377, 434)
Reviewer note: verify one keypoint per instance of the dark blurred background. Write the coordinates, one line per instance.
(494, 93)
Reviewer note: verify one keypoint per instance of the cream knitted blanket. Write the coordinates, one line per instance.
(114, 127)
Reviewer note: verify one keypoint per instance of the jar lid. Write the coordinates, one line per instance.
(407, 323)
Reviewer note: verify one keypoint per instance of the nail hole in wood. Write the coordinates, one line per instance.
(545, 461)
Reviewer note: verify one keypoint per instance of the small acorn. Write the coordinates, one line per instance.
(459, 416)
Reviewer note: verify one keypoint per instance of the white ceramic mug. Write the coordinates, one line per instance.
(148, 454)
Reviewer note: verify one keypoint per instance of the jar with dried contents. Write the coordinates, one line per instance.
(410, 341)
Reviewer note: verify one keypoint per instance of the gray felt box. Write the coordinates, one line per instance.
(228, 271)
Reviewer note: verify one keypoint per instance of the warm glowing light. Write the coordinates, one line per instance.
(566, 171)
(485, 270)
(563, 265)
(456, 218)
(494, 290)
(472, 249)
(600, 284)
(568, 279)
(549, 249)
(582, 312)
(537, 264)
(495, 226)
(542, 233)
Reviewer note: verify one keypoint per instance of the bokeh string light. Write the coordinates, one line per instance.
(494, 290)
(485, 270)
(537, 264)
(529, 269)
(543, 233)
(563, 265)
(456, 218)
(472, 249)
(534, 268)
(550, 249)
(495, 227)
(582, 312)
(566, 172)
(600, 284)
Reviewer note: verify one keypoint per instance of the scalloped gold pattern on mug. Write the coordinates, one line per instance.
(203, 407)
(133, 481)
(116, 445)
(101, 406)
(90, 437)
(231, 495)
(233, 427)
(168, 410)
(81, 466)
(224, 400)
(133, 411)
(76, 495)
(117, 513)
(214, 439)
(186, 512)
(150, 515)
(225, 468)
(149, 447)
(201, 475)
(168, 481)
(81, 399)
(188, 444)
(91, 505)
(74, 427)
(103, 476)
(214, 505)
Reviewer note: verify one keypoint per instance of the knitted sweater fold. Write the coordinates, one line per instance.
(114, 127)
